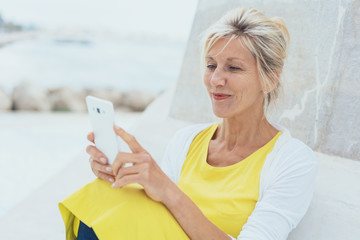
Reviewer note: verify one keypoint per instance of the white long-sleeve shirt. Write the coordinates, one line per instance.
(287, 183)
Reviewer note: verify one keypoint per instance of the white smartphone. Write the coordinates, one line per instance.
(102, 119)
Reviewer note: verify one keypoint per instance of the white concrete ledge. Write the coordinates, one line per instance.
(334, 212)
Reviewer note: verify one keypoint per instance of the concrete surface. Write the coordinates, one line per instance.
(334, 212)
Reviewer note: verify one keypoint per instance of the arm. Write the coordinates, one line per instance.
(190, 217)
(286, 197)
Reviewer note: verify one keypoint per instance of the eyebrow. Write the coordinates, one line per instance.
(230, 58)
(241, 61)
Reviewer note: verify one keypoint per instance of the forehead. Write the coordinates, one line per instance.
(225, 48)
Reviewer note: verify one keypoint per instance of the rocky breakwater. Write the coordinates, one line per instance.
(29, 97)
(5, 100)
(7, 38)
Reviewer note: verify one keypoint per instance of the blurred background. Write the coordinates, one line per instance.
(54, 53)
(85, 44)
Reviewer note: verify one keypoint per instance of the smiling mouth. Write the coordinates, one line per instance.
(220, 96)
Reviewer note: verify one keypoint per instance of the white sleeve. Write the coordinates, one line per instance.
(177, 148)
(167, 163)
(175, 154)
(286, 197)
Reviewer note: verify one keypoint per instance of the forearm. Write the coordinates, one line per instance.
(190, 217)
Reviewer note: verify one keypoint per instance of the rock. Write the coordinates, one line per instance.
(29, 97)
(67, 99)
(137, 100)
(112, 95)
(5, 101)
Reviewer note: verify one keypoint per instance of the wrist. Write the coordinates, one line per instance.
(172, 195)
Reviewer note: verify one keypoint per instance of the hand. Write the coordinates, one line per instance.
(99, 162)
(145, 171)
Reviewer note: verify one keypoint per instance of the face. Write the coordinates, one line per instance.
(232, 79)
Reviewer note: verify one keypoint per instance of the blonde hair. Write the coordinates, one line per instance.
(266, 38)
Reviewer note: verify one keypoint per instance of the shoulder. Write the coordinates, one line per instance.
(185, 135)
(180, 142)
(189, 132)
(177, 149)
(290, 153)
(289, 146)
(296, 148)
(291, 166)
(287, 184)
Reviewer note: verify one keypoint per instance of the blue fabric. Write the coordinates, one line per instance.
(86, 233)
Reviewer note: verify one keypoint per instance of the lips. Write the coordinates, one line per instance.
(220, 96)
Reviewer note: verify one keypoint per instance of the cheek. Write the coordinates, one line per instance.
(247, 94)
(242, 92)
(239, 87)
(245, 85)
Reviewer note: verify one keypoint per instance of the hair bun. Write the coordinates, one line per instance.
(282, 26)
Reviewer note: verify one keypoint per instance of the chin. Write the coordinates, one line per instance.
(220, 113)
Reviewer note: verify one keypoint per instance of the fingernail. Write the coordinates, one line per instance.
(117, 127)
(108, 169)
(113, 185)
(103, 160)
(111, 180)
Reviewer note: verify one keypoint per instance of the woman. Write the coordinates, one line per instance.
(242, 178)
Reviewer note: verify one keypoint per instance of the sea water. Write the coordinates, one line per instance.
(93, 62)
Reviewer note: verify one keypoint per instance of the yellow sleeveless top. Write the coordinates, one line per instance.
(226, 195)
(126, 213)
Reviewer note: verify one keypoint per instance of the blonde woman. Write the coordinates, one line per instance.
(241, 178)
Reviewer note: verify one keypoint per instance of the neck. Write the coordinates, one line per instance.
(247, 129)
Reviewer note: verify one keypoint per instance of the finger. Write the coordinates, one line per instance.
(97, 167)
(129, 139)
(126, 180)
(124, 157)
(91, 137)
(135, 169)
(96, 154)
(105, 177)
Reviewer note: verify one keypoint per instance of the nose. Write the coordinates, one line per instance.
(218, 78)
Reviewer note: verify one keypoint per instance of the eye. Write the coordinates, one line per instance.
(211, 66)
(234, 68)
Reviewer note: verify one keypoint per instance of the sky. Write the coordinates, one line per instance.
(159, 17)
